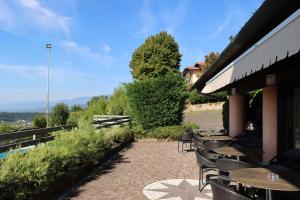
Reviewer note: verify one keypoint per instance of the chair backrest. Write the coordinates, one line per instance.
(221, 192)
(228, 165)
(198, 144)
(287, 158)
(210, 145)
(205, 159)
(187, 136)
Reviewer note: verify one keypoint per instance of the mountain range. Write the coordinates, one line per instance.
(40, 106)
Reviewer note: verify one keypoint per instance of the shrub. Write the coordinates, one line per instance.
(158, 56)
(39, 121)
(196, 98)
(170, 132)
(59, 115)
(22, 176)
(96, 106)
(118, 103)
(157, 101)
(74, 117)
(5, 127)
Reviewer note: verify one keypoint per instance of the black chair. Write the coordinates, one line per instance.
(206, 162)
(222, 192)
(186, 138)
(289, 158)
(198, 144)
(210, 145)
(225, 166)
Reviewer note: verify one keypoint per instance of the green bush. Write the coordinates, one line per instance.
(59, 115)
(118, 103)
(5, 127)
(22, 176)
(196, 98)
(170, 132)
(39, 121)
(74, 117)
(157, 101)
(96, 106)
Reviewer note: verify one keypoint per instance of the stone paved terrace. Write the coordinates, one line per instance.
(152, 168)
(145, 162)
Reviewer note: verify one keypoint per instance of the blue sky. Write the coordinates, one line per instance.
(93, 40)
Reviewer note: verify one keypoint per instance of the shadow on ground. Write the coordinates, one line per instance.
(103, 169)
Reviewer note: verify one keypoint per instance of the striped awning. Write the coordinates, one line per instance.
(282, 42)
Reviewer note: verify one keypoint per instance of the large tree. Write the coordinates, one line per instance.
(158, 56)
(210, 59)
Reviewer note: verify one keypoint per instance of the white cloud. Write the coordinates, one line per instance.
(40, 71)
(87, 53)
(23, 15)
(106, 48)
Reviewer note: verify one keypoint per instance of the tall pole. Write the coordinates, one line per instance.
(48, 46)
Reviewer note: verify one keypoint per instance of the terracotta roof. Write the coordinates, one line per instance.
(196, 66)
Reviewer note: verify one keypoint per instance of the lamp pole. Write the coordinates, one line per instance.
(48, 46)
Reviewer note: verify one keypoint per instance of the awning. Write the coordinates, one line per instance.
(282, 42)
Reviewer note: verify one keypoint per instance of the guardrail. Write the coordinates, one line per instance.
(23, 138)
(102, 121)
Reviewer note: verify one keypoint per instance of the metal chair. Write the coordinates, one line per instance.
(206, 162)
(222, 192)
(198, 144)
(225, 166)
(185, 139)
(289, 158)
(210, 145)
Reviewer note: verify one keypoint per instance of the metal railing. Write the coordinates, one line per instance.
(28, 137)
(103, 121)
(23, 138)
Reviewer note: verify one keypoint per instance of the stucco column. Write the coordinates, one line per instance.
(236, 114)
(269, 123)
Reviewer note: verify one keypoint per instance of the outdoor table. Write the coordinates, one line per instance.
(217, 138)
(279, 178)
(229, 151)
(208, 134)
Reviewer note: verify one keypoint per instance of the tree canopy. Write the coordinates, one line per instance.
(59, 115)
(210, 59)
(157, 56)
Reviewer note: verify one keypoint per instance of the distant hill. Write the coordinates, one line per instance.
(39, 106)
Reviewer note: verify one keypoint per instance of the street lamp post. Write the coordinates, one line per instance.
(48, 46)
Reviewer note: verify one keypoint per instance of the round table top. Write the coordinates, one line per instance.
(258, 177)
(230, 151)
(217, 137)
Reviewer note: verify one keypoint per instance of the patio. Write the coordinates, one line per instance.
(146, 168)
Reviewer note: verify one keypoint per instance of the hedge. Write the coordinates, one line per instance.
(157, 101)
(23, 176)
(196, 98)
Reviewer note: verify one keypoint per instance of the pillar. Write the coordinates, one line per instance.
(236, 114)
(269, 123)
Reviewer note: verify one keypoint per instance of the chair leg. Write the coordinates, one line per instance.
(178, 146)
(182, 146)
(199, 186)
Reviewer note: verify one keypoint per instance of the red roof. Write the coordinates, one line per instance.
(196, 66)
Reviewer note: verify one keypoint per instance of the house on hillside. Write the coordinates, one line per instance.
(192, 73)
(264, 56)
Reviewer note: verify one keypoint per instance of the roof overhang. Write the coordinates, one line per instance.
(270, 14)
(282, 42)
